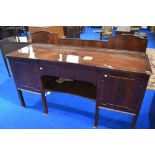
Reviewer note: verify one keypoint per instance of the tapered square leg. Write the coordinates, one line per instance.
(7, 67)
(134, 121)
(96, 116)
(21, 97)
(44, 102)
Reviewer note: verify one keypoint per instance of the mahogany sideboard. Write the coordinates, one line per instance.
(115, 79)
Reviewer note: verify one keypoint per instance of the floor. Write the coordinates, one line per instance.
(65, 111)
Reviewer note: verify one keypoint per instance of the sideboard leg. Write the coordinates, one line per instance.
(134, 121)
(44, 102)
(96, 116)
(21, 97)
(7, 67)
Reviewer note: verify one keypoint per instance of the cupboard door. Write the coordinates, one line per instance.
(26, 75)
(119, 92)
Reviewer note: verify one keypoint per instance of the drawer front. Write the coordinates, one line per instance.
(47, 69)
(86, 75)
(68, 72)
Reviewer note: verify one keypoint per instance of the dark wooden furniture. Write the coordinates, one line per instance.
(57, 30)
(43, 37)
(127, 42)
(7, 47)
(122, 42)
(51, 38)
(116, 79)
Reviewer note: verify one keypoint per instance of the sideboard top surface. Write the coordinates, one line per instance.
(102, 58)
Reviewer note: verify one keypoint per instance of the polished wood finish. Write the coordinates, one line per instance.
(57, 30)
(40, 37)
(83, 43)
(116, 79)
(51, 38)
(120, 60)
(44, 37)
(128, 42)
(121, 42)
(33, 29)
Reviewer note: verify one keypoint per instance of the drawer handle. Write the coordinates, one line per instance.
(41, 68)
(105, 75)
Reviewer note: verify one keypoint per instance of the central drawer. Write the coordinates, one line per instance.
(68, 71)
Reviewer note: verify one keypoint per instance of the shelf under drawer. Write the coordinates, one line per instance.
(79, 88)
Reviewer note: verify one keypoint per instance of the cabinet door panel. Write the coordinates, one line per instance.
(26, 74)
(119, 92)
